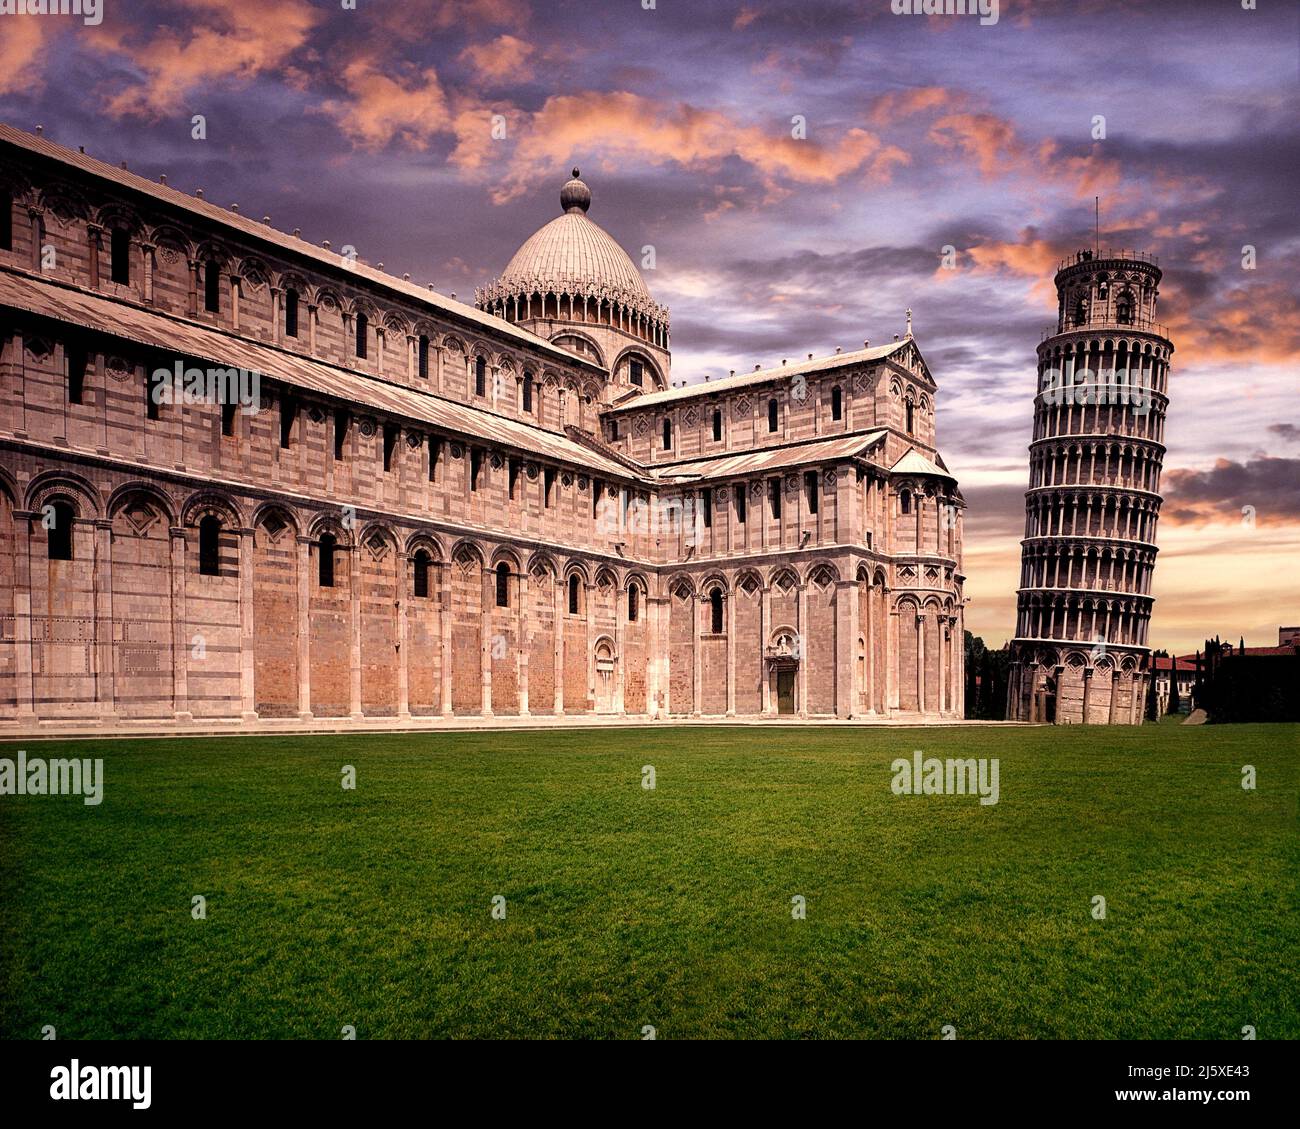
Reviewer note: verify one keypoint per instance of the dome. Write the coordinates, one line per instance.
(574, 255)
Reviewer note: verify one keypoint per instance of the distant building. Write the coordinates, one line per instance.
(1181, 667)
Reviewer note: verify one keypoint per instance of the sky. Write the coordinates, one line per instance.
(800, 170)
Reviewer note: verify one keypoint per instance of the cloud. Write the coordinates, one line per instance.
(899, 104)
(225, 42)
(505, 57)
(1288, 431)
(380, 107)
(22, 49)
(1266, 487)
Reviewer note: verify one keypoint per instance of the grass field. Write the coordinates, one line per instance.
(672, 907)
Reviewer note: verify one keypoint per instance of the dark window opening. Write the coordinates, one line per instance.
(668, 434)
(636, 373)
(58, 544)
(6, 221)
(708, 508)
(715, 611)
(771, 415)
(76, 373)
(597, 488)
(228, 418)
(613, 430)
(633, 603)
(911, 417)
(573, 594)
(717, 425)
(810, 486)
(288, 413)
(120, 252)
(740, 503)
(548, 484)
(342, 420)
(391, 432)
(480, 376)
(420, 580)
(513, 476)
(837, 403)
(291, 312)
(475, 467)
(503, 585)
(210, 546)
(528, 392)
(422, 357)
(905, 502)
(154, 391)
(1124, 310)
(774, 496)
(363, 324)
(325, 562)
(212, 287)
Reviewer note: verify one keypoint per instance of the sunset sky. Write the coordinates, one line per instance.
(374, 127)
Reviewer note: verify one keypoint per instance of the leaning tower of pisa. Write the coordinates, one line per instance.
(1084, 601)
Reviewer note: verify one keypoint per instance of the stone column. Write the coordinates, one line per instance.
(765, 630)
(524, 636)
(192, 298)
(304, 628)
(730, 607)
(354, 645)
(487, 600)
(104, 655)
(589, 590)
(697, 658)
(403, 589)
(247, 654)
(277, 327)
(444, 628)
(846, 648)
(146, 258)
(180, 641)
(24, 680)
(801, 682)
(236, 288)
(920, 662)
(94, 234)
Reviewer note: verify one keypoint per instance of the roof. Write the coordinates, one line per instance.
(771, 458)
(180, 337)
(571, 253)
(294, 245)
(781, 372)
(916, 463)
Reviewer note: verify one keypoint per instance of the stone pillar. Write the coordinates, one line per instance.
(523, 637)
(560, 611)
(697, 658)
(180, 641)
(487, 600)
(236, 288)
(403, 589)
(920, 662)
(147, 259)
(277, 327)
(94, 234)
(801, 682)
(847, 621)
(589, 591)
(764, 631)
(104, 654)
(311, 327)
(444, 628)
(304, 628)
(24, 681)
(354, 643)
(192, 298)
(1087, 693)
(247, 655)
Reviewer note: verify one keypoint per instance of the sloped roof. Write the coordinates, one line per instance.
(189, 340)
(771, 458)
(573, 254)
(731, 383)
(294, 245)
(916, 463)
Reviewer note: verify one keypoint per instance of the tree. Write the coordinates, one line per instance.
(1175, 701)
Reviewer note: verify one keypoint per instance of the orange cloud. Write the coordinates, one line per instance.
(22, 48)
(627, 126)
(744, 18)
(380, 107)
(228, 42)
(503, 57)
(899, 104)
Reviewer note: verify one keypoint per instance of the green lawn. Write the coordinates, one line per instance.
(670, 907)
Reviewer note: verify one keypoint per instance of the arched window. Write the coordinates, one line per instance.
(911, 417)
(420, 579)
(1124, 309)
(363, 324)
(633, 603)
(325, 563)
(480, 376)
(291, 312)
(120, 250)
(717, 425)
(668, 434)
(771, 415)
(212, 286)
(1081, 311)
(58, 544)
(837, 403)
(422, 357)
(715, 611)
(210, 546)
(503, 585)
(636, 373)
(905, 502)
(573, 594)
(528, 391)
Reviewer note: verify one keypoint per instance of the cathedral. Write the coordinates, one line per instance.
(247, 481)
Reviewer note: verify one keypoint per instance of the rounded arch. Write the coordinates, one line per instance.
(8, 486)
(467, 553)
(293, 280)
(275, 517)
(63, 484)
(542, 563)
(141, 489)
(822, 572)
(642, 355)
(116, 214)
(783, 577)
(328, 523)
(454, 344)
(715, 580)
(606, 576)
(587, 340)
(212, 250)
(578, 568)
(168, 235)
(204, 502)
(681, 583)
(503, 554)
(749, 579)
(422, 539)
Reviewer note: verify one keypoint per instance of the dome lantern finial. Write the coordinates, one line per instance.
(575, 196)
